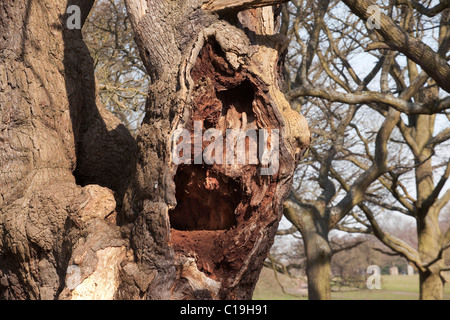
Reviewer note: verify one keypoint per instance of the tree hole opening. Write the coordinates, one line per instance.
(240, 98)
(206, 200)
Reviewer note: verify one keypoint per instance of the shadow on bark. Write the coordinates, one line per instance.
(50, 221)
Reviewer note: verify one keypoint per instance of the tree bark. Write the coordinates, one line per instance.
(64, 160)
(430, 238)
(428, 230)
(431, 285)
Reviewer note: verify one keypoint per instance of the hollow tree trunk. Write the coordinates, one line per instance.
(203, 231)
(187, 231)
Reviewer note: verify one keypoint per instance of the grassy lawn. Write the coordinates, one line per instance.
(392, 288)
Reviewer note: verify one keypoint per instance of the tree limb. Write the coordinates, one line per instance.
(356, 193)
(389, 207)
(441, 202)
(447, 238)
(285, 232)
(237, 5)
(341, 227)
(388, 253)
(313, 43)
(432, 199)
(391, 241)
(348, 247)
(369, 97)
(433, 64)
(442, 136)
(429, 12)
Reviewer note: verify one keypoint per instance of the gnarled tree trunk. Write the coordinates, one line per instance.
(188, 231)
(62, 155)
(429, 234)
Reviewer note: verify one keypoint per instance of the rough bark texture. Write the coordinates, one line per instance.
(318, 269)
(204, 231)
(51, 125)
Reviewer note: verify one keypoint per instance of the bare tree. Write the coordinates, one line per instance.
(425, 141)
(122, 78)
(327, 41)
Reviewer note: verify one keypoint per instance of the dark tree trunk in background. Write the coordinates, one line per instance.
(314, 228)
(180, 232)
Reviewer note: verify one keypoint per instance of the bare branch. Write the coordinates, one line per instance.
(388, 253)
(237, 5)
(391, 241)
(313, 43)
(347, 229)
(285, 232)
(348, 247)
(432, 199)
(291, 214)
(277, 267)
(406, 133)
(394, 36)
(441, 202)
(378, 46)
(369, 97)
(355, 194)
(429, 12)
(439, 138)
(389, 207)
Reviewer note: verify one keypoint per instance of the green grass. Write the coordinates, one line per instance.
(268, 288)
(392, 288)
(400, 283)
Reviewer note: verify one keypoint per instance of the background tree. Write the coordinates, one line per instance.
(123, 80)
(316, 214)
(349, 154)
